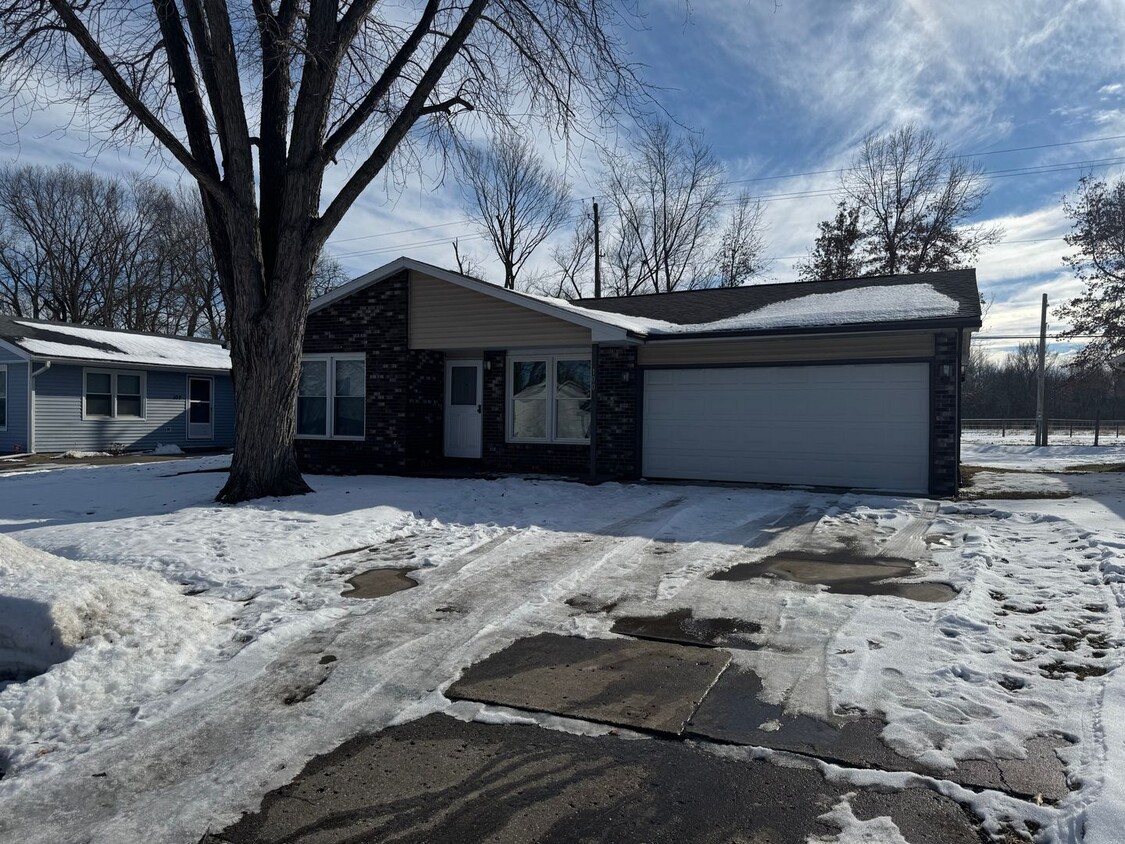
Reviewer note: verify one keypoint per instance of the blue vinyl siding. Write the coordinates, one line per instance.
(59, 425)
(13, 437)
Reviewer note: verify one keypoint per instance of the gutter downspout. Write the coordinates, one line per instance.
(31, 376)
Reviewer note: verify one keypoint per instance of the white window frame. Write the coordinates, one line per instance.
(552, 390)
(4, 396)
(330, 399)
(113, 373)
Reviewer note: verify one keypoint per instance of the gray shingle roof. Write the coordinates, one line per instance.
(71, 341)
(689, 307)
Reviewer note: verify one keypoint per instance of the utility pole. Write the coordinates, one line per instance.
(1040, 415)
(597, 254)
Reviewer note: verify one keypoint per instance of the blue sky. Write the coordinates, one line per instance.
(792, 87)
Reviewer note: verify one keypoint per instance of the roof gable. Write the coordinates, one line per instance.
(604, 327)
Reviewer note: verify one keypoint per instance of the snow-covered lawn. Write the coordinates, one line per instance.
(1029, 458)
(186, 676)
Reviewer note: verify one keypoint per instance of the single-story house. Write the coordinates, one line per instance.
(66, 387)
(853, 383)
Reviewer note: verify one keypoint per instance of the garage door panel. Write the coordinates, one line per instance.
(849, 425)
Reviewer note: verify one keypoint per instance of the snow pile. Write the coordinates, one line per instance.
(167, 449)
(100, 344)
(76, 454)
(90, 642)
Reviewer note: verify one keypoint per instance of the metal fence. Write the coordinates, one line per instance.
(1098, 431)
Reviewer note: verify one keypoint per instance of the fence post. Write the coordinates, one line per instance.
(1097, 425)
(1003, 428)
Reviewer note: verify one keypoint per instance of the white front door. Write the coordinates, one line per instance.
(464, 382)
(200, 411)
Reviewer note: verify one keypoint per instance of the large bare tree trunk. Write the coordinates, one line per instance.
(266, 361)
(265, 389)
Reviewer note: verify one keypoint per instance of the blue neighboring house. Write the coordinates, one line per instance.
(67, 387)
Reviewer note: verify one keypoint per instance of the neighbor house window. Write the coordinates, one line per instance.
(550, 399)
(113, 395)
(3, 397)
(331, 396)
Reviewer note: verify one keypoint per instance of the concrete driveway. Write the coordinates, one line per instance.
(662, 733)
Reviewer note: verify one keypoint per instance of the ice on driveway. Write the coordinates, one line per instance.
(244, 699)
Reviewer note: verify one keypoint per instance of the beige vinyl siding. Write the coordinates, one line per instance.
(782, 349)
(444, 316)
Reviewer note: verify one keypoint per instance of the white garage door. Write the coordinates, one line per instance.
(864, 426)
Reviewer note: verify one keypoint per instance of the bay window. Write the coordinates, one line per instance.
(549, 398)
(331, 395)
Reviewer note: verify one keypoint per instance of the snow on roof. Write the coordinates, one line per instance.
(96, 344)
(858, 306)
(842, 307)
(633, 324)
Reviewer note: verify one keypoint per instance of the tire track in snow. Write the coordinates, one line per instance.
(234, 737)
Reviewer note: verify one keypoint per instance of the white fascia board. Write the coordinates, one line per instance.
(126, 364)
(603, 332)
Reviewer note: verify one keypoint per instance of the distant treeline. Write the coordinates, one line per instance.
(1006, 388)
(116, 253)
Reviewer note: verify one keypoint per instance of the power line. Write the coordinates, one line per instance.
(958, 155)
(814, 193)
(1063, 337)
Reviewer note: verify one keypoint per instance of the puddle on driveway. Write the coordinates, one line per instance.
(682, 628)
(377, 583)
(844, 574)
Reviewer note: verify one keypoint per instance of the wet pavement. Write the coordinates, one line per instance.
(847, 574)
(732, 712)
(683, 628)
(377, 583)
(439, 779)
(442, 780)
(649, 686)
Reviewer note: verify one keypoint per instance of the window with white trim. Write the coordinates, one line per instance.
(108, 394)
(3, 397)
(549, 398)
(331, 395)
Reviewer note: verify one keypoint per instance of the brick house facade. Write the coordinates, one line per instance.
(412, 324)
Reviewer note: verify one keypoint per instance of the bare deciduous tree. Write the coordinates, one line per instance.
(915, 201)
(516, 200)
(76, 247)
(258, 102)
(742, 246)
(467, 264)
(666, 197)
(573, 260)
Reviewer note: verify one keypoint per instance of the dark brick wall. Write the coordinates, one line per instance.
(616, 433)
(404, 387)
(503, 456)
(944, 409)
